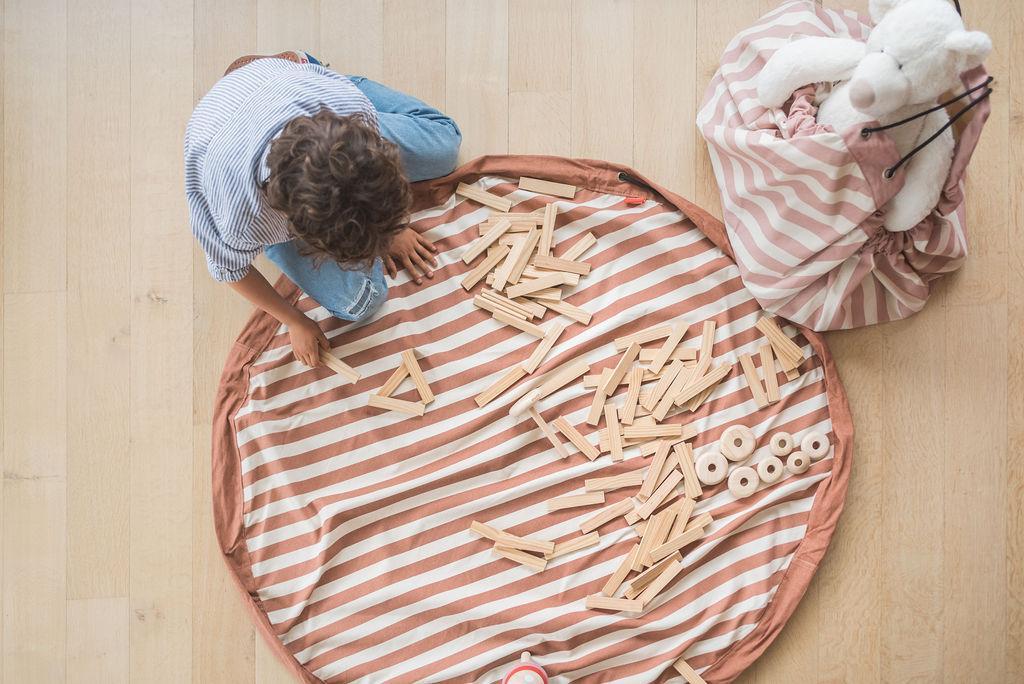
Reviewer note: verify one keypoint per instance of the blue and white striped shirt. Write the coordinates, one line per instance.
(226, 146)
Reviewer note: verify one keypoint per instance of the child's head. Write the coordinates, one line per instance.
(340, 184)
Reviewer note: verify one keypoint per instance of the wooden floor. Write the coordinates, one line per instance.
(114, 335)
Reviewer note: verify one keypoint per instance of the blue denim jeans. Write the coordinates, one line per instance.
(429, 144)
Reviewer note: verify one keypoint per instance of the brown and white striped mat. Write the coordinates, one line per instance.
(347, 526)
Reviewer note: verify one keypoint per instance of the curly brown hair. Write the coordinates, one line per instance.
(340, 184)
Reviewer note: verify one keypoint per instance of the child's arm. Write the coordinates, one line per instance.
(306, 336)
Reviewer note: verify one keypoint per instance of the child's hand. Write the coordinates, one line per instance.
(414, 253)
(307, 339)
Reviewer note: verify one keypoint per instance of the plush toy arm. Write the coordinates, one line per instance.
(806, 60)
(925, 176)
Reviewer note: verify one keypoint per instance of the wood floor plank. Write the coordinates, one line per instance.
(35, 146)
(287, 25)
(352, 36)
(223, 635)
(99, 299)
(476, 77)
(161, 507)
(662, 148)
(414, 48)
(98, 640)
(540, 77)
(34, 496)
(602, 80)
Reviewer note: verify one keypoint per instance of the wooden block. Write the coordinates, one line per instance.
(575, 501)
(574, 312)
(651, 448)
(605, 515)
(611, 419)
(636, 585)
(695, 403)
(494, 307)
(536, 309)
(556, 380)
(706, 382)
(661, 581)
(596, 407)
(677, 543)
(691, 485)
(646, 335)
(555, 264)
(338, 366)
(532, 273)
(771, 380)
(477, 274)
(679, 354)
(619, 604)
(684, 509)
(521, 557)
(485, 530)
(636, 378)
(754, 382)
(523, 258)
(514, 375)
(548, 294)
(483, 197)
(482, 243)
(653, 478)
(512, 541)
(508, 304)
(525, 326)
(707, 340)
(789, 353)
(648, 432)
(791, 373)
(549, 433)
(547, 187)
(575, 544)
(418, 379)
(518, 226)
(536, 215)
(594, 381)
(652, 531)
(702, 520)
(412, 408)
(504, 272)
(660, 495)
(664, 383)
(543, 347)
(580, 247)
(392, 383)
(526, 287)
(682, 380)
(616, 579)
(671, 342)
(619, 371)
(688, 673)
(610, 483)
(577, 439)
(547, 230)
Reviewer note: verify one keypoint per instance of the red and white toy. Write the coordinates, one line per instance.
(526, 671)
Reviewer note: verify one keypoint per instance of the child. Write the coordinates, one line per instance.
(287, 157)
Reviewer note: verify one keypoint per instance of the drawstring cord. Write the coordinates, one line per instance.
(891, 171)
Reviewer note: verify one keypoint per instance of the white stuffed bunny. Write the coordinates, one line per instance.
(916, 52)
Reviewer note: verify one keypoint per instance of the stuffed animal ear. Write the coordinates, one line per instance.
(879, 8)
(972, 47)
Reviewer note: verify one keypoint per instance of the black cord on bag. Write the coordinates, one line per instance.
(891, 171)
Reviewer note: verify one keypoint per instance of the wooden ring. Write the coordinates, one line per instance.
(770, 470)
(743, 482)
(798, 463)
(712, 468)
(737, 442)
(815, 445)
(781, 444)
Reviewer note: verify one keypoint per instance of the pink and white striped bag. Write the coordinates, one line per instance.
(801, 201)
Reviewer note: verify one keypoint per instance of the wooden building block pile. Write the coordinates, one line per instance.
(523, 279)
